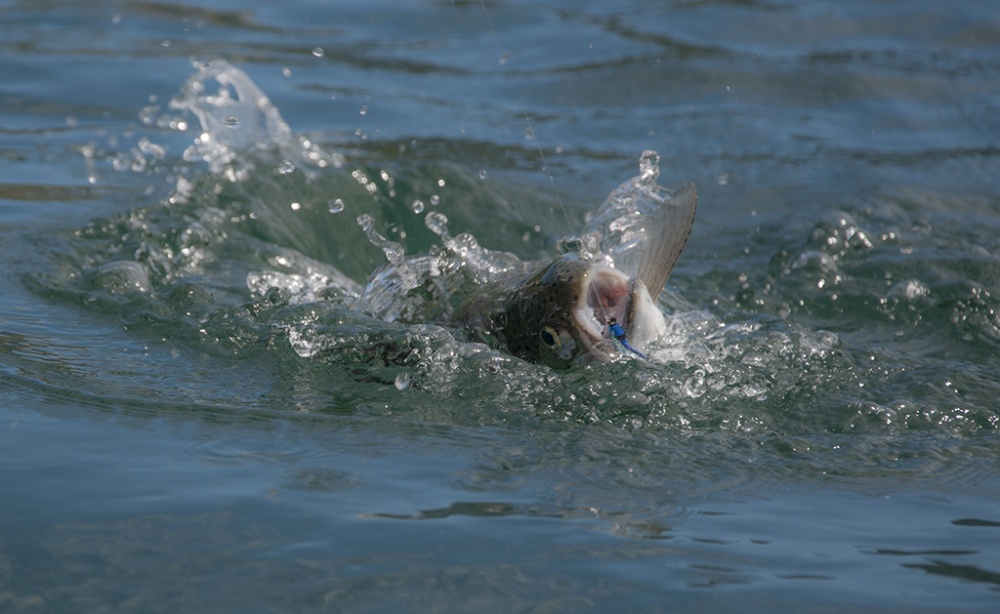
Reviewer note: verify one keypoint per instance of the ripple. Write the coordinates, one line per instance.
(320, 479)
(238, 450)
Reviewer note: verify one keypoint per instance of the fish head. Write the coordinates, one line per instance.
(560, 315)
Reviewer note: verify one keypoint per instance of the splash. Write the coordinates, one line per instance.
(624, 228)
(225, 263)
(427, 287)
(237, 121)
(641, 225)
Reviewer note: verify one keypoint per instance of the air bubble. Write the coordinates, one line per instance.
(286, 167)
(231, 121)
(336, 205)
(318, 52)
(435, 200)
(417, 206)
(363, 110)
(482, 174)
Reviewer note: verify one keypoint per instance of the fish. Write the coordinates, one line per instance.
(597, 303)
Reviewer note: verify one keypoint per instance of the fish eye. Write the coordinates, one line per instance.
(550, 338)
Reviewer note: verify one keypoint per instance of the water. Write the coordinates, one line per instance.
(203, 410)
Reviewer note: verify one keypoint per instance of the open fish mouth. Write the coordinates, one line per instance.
(609, 294)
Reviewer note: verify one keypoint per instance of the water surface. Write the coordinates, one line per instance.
(197, 413)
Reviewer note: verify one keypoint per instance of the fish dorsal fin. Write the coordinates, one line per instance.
(643, 227)
(669, 230)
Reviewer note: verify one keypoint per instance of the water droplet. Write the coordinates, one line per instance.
(482, 174)
(286, 167)
(231, 121)
(402, 381)
(363, 110)
(910, 290)
(695, 386)
(318, 52)
(649, 166)
(435, 200)
(393, 251)
(417, 206)
(437, 223)
(336, 205)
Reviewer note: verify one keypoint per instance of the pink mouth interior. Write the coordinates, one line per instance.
(607, 296)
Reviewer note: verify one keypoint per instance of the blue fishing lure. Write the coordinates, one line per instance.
(621, 339)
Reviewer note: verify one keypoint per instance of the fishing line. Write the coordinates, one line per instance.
(615, 331)
(527, 118)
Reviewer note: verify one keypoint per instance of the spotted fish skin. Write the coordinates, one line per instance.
(515, 313)
(558, 314)
(561, 314)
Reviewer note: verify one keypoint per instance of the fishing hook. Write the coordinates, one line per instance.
(618, 334)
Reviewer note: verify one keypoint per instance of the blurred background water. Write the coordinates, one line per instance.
(194, 417)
